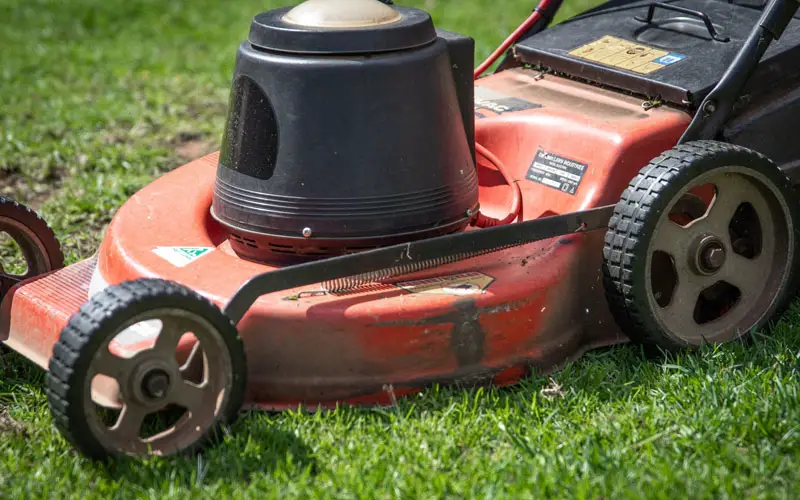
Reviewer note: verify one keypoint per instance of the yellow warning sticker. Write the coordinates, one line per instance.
(622, 54)
(472, 283)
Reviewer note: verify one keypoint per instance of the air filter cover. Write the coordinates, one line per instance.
(329, 153)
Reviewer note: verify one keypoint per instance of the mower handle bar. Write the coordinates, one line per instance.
(696, 13)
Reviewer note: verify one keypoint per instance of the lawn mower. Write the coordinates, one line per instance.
(382, 217)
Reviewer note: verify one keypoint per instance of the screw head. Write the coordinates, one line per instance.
(307, 233)
(713, 257)
(156, 384)
(709, 107)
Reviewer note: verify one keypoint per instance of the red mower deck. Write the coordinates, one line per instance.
(490, 318)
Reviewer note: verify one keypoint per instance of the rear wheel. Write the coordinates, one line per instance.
(28, 247)
(702, 247)
(146, 368)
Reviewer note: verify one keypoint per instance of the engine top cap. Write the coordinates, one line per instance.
(336, 27)
(341, 14)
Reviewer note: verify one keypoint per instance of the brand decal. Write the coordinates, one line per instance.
(182, 256)
(492, 103)
(556, 172)
(622, 54)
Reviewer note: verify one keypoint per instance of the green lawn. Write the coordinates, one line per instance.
(97, 98)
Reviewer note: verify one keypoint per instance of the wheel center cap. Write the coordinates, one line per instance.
(708, 256)
(155, 384)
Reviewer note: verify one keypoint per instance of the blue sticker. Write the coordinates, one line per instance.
(669, 59)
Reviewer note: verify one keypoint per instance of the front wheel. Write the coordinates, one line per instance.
(702, 247)
(147, 367)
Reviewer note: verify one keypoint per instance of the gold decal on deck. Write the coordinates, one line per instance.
(471, 283)
(622, 54)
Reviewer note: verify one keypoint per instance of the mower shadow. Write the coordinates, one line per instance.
(611, 374)
(261, 443)
(254, 448)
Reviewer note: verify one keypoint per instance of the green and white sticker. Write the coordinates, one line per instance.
(182, 256)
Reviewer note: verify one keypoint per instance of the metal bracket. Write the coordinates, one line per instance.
(450, 248)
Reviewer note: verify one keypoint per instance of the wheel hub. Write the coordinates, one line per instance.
(151, 382)
(708, 255)
(156, 384)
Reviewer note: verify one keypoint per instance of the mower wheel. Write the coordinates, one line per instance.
(37, 243)
(702, 247)
(147, 367)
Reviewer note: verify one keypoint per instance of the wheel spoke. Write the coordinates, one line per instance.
(748, 275)
(673, 239)
(732, 191)
(191, 396)
(9, 280)
(172, 330)
(194, 367)
(128, 427)
(110, 365)
(680, 310)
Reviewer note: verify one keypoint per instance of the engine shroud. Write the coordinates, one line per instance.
(344, 139)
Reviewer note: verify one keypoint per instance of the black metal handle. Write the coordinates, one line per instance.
(716, 108)
(696, 13)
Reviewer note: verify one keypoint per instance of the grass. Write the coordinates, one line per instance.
(98, 98)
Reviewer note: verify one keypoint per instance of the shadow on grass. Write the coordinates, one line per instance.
(252, 448)
(617, 373)
(260, 443)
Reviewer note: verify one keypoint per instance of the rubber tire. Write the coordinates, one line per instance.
(102, 316)
(34, 222)
(628, 237)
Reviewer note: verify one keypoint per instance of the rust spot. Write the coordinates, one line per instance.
(467, 337)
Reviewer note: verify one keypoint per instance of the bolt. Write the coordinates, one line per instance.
(156, 384)
(713, 257)
(709, 107)
(307, 233)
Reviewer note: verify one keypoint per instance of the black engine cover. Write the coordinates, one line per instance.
(329, 153)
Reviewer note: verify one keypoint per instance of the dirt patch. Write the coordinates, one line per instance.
(190, 146)
(10, 426)
(195, 149)
(32, 193)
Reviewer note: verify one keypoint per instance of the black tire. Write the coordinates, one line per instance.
(101, 319)
(36, 239)
(645, 201)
